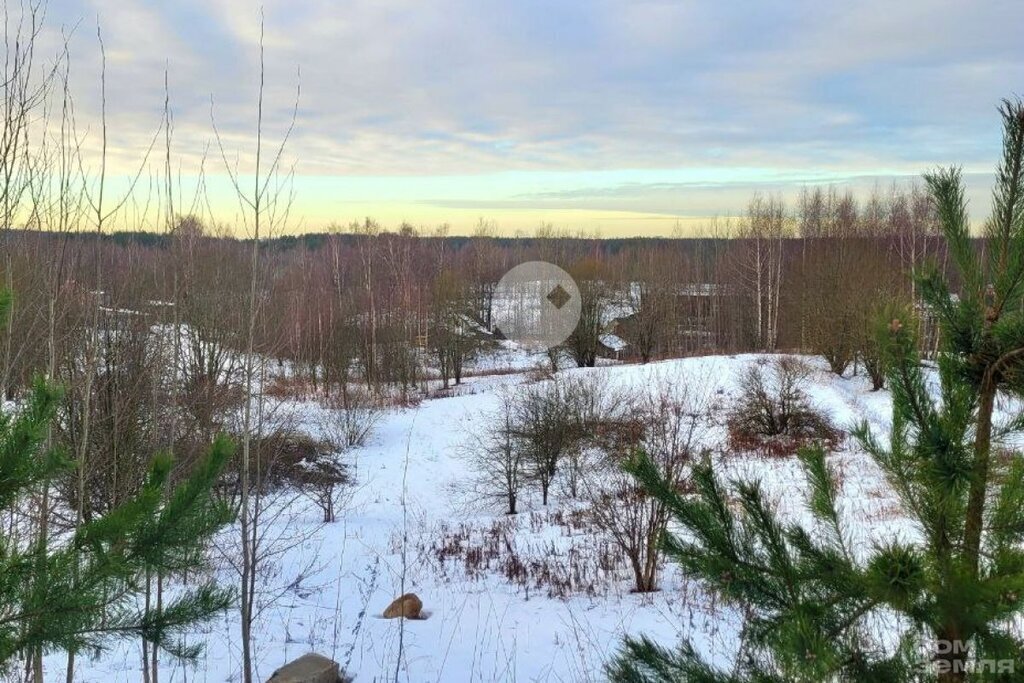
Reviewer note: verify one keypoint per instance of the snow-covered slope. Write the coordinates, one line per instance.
(411, 524)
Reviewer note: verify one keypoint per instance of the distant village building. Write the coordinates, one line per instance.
(694, 316)
(928, 332)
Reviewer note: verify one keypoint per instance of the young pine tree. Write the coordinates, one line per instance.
(81, 591)
(948, 602)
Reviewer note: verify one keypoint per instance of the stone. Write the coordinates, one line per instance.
(408, 606)
(309, 668)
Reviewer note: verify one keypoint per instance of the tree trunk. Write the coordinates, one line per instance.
(951, 656)
(979, 476)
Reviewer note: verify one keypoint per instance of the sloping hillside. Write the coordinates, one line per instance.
(540, 596)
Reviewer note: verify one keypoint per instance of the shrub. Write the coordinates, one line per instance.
(356, 411)
(549, 424)
(669, 422)
(286, 458)
(773, 414)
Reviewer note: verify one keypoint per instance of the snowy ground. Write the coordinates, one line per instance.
(407, 525)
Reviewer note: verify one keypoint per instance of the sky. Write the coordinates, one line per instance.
(626, 117)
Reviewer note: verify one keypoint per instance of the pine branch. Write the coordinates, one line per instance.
(947, 191)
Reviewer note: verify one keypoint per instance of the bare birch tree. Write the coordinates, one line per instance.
(265, 206)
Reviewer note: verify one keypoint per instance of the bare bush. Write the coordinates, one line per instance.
(356, 413)
(307, 464)
(773, 413)
(287, 457)
(125, 410)
(673, 418)
(595, 404)
(549, 425)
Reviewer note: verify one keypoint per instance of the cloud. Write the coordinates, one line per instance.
(705, 199)
(461, 87)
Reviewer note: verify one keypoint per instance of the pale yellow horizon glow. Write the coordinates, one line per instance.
(694, 202)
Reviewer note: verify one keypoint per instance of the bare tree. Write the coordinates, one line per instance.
(102, 212)
(267, 205)
(654, 298)
(547, 425)
(585, 341)
(496, 456)
(452, 337)
(761, 265)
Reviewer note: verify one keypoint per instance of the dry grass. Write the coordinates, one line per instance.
(557, 554)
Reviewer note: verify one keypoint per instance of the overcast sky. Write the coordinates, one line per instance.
(619, 116)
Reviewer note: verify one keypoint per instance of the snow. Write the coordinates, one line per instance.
(411, 496)
(506, 357)
(614, 342)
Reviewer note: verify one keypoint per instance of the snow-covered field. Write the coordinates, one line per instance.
(530, 598)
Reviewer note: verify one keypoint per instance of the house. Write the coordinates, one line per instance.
(694, 315)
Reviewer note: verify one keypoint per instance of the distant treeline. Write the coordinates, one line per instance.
(351, 235)
(361, 303)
